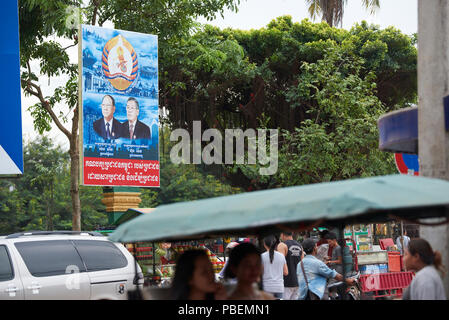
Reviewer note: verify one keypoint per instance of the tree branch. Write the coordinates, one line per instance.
(72, 45)
(96, 4)
(38, 94)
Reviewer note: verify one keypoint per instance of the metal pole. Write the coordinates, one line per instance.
(261, 248)
(341, 231)
(433, 87)
(224, 249)
(153, 251)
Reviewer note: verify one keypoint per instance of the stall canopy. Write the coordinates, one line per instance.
(297, 208)
(132, 213)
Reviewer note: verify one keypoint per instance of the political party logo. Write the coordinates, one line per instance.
(119, 63)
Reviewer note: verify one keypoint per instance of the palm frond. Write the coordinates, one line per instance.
(371, 5)
(314, 8)
(332, 11)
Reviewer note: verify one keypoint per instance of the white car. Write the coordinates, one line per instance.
(65, 265)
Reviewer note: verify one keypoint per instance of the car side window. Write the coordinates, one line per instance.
(6, 271)
(100, 255)
(50, 258)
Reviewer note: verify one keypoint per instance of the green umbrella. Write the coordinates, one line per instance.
(258, 213)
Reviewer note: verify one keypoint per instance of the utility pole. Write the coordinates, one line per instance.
(433, 86)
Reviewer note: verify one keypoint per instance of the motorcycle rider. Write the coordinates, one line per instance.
(313, 273)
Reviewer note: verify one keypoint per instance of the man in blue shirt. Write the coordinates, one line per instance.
(317, 272)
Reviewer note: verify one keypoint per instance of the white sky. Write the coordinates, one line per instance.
(255, 14)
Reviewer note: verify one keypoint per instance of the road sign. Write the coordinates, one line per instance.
(11, 152)
(407, 163)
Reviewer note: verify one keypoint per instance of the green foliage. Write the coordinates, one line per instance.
(41, 118)
(167, 19)
(183, 182)
(40, 199)
(323, 87)
(230, 77)
(38, 20)
(339, 140)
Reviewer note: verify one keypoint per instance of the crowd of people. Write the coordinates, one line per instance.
(290, 270)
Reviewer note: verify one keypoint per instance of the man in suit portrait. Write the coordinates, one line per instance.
(133, 128)
(108, 127)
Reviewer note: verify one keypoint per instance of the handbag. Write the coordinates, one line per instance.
(310, 295)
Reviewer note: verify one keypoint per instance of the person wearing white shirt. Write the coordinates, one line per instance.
(402, 242)
(274, 268)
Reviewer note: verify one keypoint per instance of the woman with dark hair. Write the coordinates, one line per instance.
(195, 278)
(274, 268)
(245, 265)
(427, 284)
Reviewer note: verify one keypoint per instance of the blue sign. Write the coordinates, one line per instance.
(11, 152)
(407, 163)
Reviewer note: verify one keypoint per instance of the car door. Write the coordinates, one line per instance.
(109, 271)
(10, 284)
(53, 270)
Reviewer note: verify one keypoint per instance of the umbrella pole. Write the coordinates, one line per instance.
(261, 248)
(341, 231)
(224, 249)
(154, 260)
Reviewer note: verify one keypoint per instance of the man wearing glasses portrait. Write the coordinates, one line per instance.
(108, 127)
(133, 128)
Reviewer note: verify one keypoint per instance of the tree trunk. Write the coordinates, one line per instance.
(75, 172)
(50, 207)
(48, 218)
(74, 187)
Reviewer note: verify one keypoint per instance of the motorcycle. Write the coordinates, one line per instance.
(353, 292)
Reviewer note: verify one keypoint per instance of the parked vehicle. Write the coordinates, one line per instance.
(353, 292)
(65, 265)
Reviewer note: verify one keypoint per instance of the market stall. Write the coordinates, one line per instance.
(380, 265)
(159, 268)
(296, 209)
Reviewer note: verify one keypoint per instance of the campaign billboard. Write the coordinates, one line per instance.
(119, 122)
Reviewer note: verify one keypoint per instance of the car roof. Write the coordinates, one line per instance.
(54, 235)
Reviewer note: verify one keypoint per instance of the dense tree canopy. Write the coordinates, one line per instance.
(167, 19)
(229, 78)
(322, 87)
